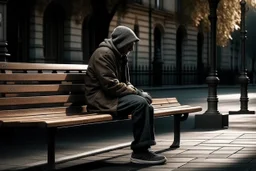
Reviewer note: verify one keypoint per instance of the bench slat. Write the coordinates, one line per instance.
(164, 100)
(172, 100)
(41, 66)
(67, 121)
(34, 117)
(42, 77)
(41, 100)
(38, 111)
(44, 117)
(41, 88)
(75, 121)
(170, 107)
(183, 110)
(166, 104)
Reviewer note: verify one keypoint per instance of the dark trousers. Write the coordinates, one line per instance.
(142, 120)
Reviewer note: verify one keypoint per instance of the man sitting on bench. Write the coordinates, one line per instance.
(108, 90)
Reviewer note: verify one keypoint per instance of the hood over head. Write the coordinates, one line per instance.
(122, 36)
(109, 43)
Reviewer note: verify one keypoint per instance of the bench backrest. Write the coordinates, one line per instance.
(50, 88)
(33, 85)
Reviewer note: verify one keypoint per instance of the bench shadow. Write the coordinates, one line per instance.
(110, 165)
(106, 164)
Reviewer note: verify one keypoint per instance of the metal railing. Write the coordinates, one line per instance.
(169, 76)
(189, 75)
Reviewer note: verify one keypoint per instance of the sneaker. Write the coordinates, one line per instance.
(147, 157)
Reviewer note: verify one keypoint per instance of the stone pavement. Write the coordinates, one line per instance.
(201, 150)
(221, 150)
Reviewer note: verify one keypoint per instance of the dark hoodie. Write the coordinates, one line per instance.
(107, 78)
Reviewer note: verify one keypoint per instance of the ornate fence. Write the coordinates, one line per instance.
(170, 76)
(188, 76)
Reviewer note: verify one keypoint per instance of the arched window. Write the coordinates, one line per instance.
(157, 43)
(88, 39)
(200, 43)
(54, 17)
(200, 64)
(18, 17)
(135, 59)
(180, 43)
(157, 63)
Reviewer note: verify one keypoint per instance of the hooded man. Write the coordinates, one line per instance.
(108, 90)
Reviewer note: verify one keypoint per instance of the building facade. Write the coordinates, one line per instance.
(170, 52)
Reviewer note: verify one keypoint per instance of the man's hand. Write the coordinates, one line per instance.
(147, 97)
(142, 93)
(131, 86)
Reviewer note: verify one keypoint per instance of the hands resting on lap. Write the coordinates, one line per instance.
(142, 93)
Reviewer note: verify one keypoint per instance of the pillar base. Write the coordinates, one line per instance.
(241, 112)
(206, 121)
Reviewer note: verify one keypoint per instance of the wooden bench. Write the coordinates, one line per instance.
(51, 96)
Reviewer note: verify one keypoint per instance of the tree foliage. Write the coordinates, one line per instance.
(228, 14)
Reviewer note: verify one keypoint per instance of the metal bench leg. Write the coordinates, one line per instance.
(51, 132)
(176, 129)
(176, 126)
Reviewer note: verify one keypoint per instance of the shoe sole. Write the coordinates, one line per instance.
(138, 161)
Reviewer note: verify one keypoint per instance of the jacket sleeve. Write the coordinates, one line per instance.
(105, 73)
